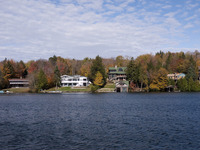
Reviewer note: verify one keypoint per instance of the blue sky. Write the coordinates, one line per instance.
(34, 29)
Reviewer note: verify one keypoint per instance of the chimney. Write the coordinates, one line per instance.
(115, 66)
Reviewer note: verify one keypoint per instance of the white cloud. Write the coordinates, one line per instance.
(167, 6)
(191, 6)
(192, 17)
(172, 14)
(32, 29)
(189, 25)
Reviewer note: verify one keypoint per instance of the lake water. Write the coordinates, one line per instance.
(100, 121)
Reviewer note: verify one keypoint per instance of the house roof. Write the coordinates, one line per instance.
(25, 80)
(117, 70)
(177, 74)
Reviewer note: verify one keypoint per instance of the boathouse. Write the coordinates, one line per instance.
(122, 86)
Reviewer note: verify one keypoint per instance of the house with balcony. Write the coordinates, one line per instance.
(176, 76)
(75, 80)
(117, 74)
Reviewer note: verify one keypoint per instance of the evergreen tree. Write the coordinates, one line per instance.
(171, 82)
(192, 61)
(1, 80)
(53, 60)
(168, 60)
(57, 79)
(182, 85)
(161, 53)
(158, 65)
(191, 73)
(42, 82)
(190, 84)
(131, 71)
(96, 66)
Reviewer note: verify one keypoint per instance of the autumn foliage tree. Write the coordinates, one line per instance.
(98, 79)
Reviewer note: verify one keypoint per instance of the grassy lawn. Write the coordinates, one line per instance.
(109, 85)
(68, 89)
(17, 90)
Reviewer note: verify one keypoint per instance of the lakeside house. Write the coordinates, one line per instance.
(75, 80)
(176, 76)
(18, 83)
(118, 76)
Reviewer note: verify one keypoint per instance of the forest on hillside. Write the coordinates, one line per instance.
(148, 71)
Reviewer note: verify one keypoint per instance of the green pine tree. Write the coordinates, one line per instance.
(42, 82)
(191, 73)
(57, 79)
(171, 82)
(96, 66)
(158, 65)
(182, 85)
(191, 85)
(131, 71)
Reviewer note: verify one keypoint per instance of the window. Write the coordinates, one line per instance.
(120, 69)
(84, 80)
(112, 70)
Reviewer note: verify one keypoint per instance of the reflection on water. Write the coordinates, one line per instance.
(100, 121)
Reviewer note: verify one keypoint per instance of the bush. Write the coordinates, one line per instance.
(94, 88)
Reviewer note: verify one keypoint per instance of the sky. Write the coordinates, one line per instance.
(34, 29)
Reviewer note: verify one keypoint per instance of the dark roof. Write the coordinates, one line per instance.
(117, 70)
(18, 80)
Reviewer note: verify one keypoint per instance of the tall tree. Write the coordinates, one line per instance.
(191, 73)
(159, 81)
(131, 71)
(142, 76)
(190, 84)
(119, 60)
(42, 81)
(1, 80)
(57, 79)
(96, 66)
(182, 85)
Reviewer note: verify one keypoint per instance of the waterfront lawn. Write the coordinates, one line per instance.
(68, 89)
(109, 85)
(17, 90)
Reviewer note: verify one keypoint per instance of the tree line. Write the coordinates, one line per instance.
(148, 72)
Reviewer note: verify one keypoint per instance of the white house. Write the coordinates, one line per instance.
(76, 80)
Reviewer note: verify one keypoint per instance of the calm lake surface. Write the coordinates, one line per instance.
(100, 121)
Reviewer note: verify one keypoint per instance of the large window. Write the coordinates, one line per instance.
(120, 69)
